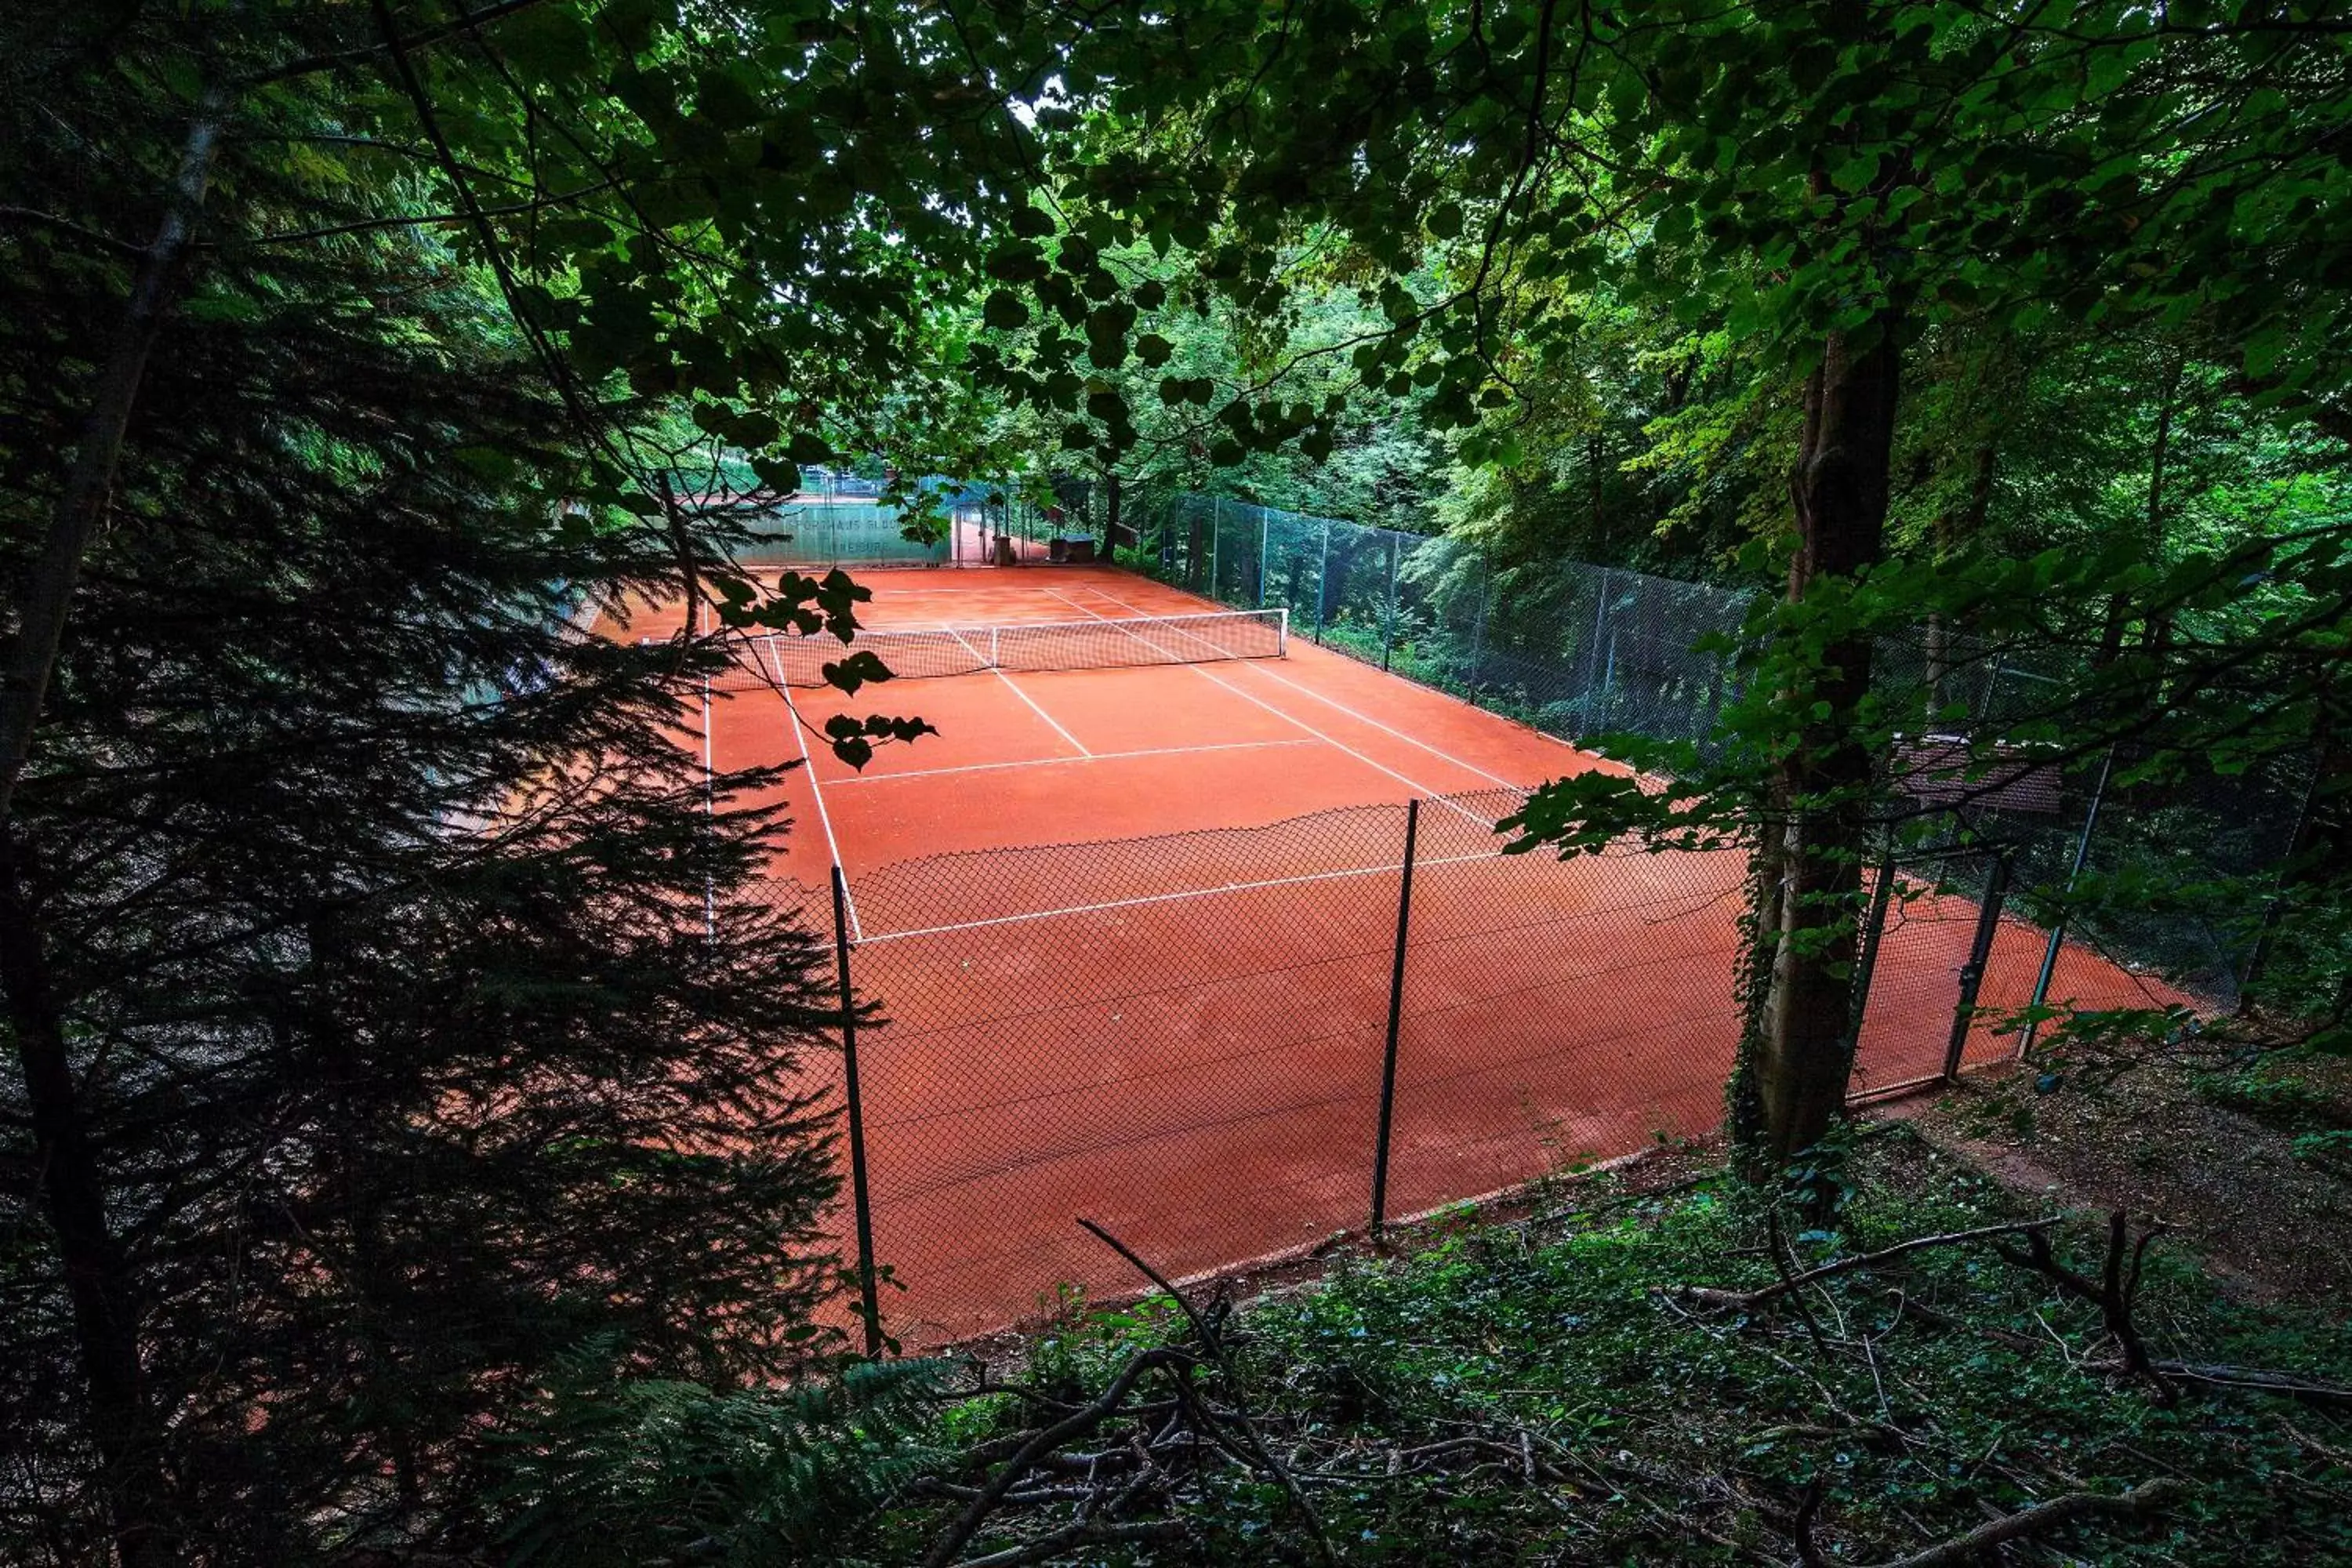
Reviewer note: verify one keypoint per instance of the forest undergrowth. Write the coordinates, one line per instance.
(1614, 1376)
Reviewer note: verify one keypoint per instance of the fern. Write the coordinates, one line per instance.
(619, 1472)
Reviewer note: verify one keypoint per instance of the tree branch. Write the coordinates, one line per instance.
(1085, 1419)
(1157, 1532)
(330, 60)
(2034, 1521)
(1712, 1297)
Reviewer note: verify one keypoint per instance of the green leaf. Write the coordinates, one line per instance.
(1018, 261)
(1005, 310)
(847, 675)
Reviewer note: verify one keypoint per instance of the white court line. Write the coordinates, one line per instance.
(1359, 718)
(1181, 896)
(1438, 795)
(1064, 761)
(1290, 718)
(1041, 714)
(983, 663)
(1400, 735)
(1167, 621)
(1216, 651)
(710, 796)
(710, 787)
(824, 819)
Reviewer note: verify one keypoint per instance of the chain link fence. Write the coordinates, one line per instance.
(1190, 1038)
(841, 520)
(1574, 650)
(1230, 1044)
(1579, 651)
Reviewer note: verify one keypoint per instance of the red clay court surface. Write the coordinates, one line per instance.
(1133, 929)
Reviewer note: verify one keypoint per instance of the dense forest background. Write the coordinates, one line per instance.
(392, 1165)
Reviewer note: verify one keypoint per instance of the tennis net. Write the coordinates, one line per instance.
(774, 658)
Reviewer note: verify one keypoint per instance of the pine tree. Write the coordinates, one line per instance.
(399, 1009)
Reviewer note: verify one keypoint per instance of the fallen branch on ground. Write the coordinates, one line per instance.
(2256, 1380)
(2040, 1517)
(1711, 1295)
(2212, 1376)
(2115, 1292)
(1084, 1422)
(1214, 1345)
(1135, 1534)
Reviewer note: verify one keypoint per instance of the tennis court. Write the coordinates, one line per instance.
(1133, 928)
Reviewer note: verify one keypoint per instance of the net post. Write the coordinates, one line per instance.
(2058, 927)
(1979, 955)
(1396, 1018)
(1282, 632)
(870, 1307)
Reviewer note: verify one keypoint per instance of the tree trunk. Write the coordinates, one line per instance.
(1594, 454)
(2111, 642)
(1953, 528)
(123, 1429)
(49, 586)
(2160, 627)
(1802, 1053)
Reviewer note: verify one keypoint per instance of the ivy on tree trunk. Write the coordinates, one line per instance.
(1793, 1077)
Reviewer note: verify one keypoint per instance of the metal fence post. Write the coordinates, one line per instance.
(1264, 518)
(1873, 927)
(1478, 625)
(1592, 655)
(2058, 927)
(1979, 954)
(1323, 582)
(1396, 1019)
(1216, 538)
(2274, 909)
(1608, 657)
(1389, 616)
(870, 1309)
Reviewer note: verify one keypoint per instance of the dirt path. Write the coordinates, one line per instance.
(2278, 1229)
